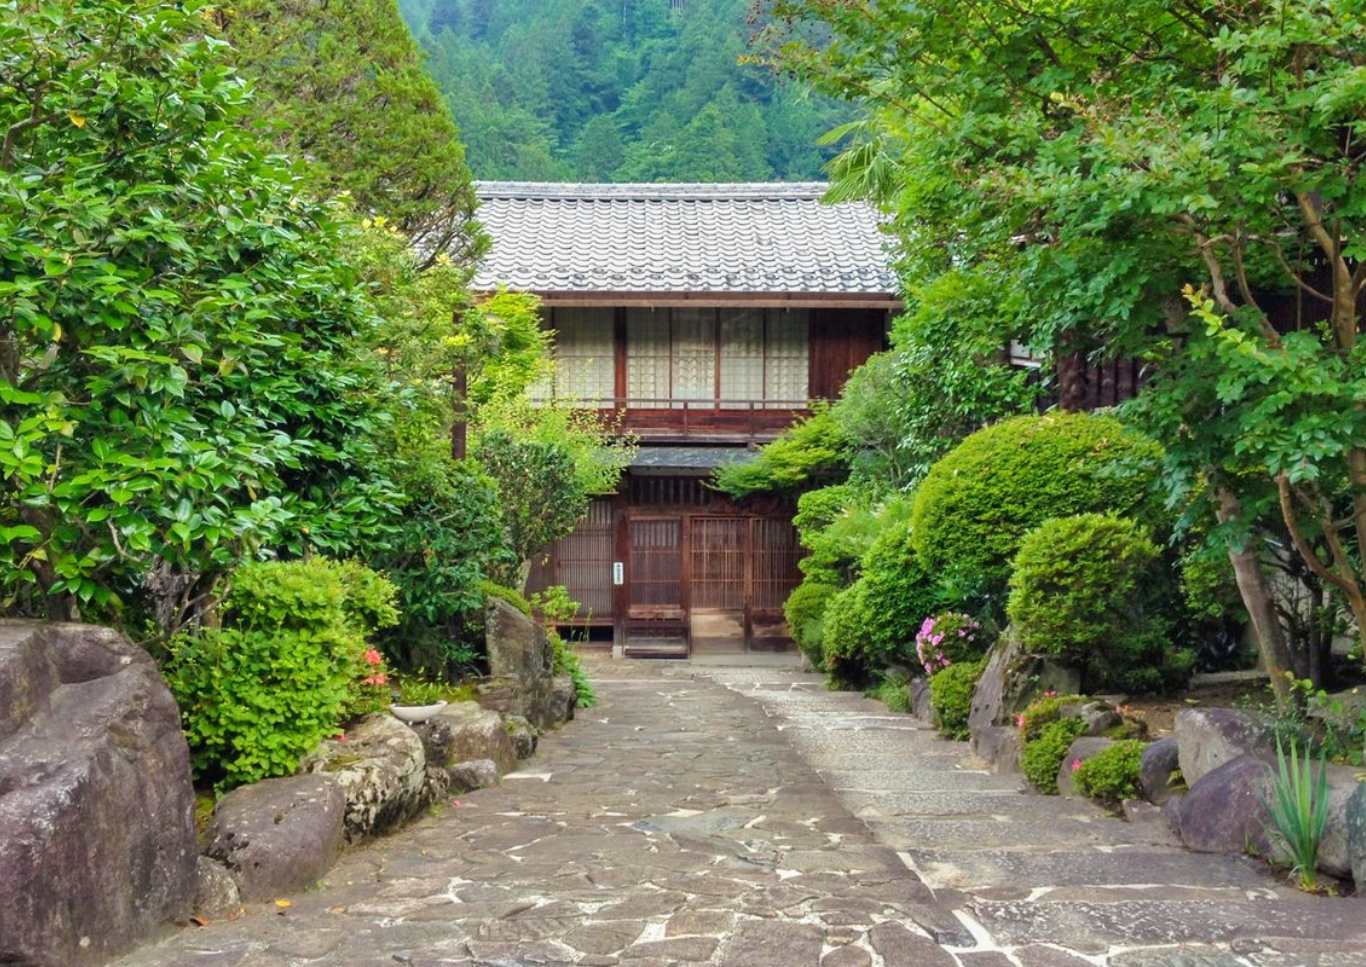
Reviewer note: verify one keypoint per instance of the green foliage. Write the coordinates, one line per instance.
(1042, 712)
(1041, 758)
(805, 453)
(555, 606)
(287, 667)
(805, 612)
(603, 91)
(979, 501)
(510, 595)
(1089, 590)
(179, 368)
(421, 691)
(948, 637)
(1299, 811)
(1111, 775)
(836, 549)
(894, 694)
(345, 87)
(1094, 163)
(874, 623)
(951, 697)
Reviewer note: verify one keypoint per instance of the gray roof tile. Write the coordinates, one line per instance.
(722, 238)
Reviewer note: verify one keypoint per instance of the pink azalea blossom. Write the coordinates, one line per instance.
(373, 657)
(1076, 764)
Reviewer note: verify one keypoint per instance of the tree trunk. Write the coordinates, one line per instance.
(1256, 595)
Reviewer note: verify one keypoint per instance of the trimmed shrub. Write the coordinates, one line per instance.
(807, 451)
(288, 666)
(1043, 712)
(805, 613)
(1089, 590)
(951, 697)
(841, 639)
(1111, 775)
(977, 504)
(946, 638)
(1042, 758)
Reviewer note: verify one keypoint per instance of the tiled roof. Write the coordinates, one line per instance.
(661, 238)
(689, 458)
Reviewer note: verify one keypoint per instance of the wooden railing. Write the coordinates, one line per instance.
(673, 416)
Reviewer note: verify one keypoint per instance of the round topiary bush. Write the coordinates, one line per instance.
(1111, 775)
(842, 638)
(805, 613)
(1042, 758)
(1089, 590)
(985, 495)
(951, 697)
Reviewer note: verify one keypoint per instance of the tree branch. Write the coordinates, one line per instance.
(1302, 545)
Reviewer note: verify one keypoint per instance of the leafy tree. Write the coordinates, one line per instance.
(614, 91)
(344, 86)
(179, 380)
(1097, 158)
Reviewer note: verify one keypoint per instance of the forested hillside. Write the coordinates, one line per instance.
(617, 90)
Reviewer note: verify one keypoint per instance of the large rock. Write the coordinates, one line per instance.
(522, 677)
(524, 735)
(1355, 821)
(1226, 810)
(999, 747)
(1207, 738)
(215, 894)
(463, 731)
(1160, 760)
(1013, 679)
(1335, 852)
(1078, 752)
(278, 836)
(472, 775)
(919, 691)
(97, 838)
(381, 768)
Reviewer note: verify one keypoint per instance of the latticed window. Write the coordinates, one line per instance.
(585, 357)
(729, 357)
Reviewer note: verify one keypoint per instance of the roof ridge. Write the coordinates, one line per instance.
(652, 191)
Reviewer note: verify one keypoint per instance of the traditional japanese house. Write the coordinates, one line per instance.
(706, 318)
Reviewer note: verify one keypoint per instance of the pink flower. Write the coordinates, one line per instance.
(1019, 721)
(373, 657)
(1050, 694)
(380, 679)
(340, 736)
(1076, 764)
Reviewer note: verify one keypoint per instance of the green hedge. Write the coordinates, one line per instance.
(288, 666)
(1111, 775)
(1042, 758)
(978, 502)
(951, 697)
(1090, 590)
(805, 613)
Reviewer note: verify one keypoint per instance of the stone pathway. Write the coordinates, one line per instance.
(749, 817)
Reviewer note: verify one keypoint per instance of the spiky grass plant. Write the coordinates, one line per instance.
(1299, 810)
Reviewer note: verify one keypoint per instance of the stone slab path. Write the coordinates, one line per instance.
(749, 817)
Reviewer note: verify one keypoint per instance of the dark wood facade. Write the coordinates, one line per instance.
(669, 566)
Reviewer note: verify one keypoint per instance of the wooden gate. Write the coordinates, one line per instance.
(719, 550)
(657, 604)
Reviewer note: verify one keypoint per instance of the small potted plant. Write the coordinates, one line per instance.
(417, 701)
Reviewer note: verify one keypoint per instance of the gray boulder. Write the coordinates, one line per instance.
(919, 691)
(463, 731)
(472, 775)
(1335, 852)
(1098, 717)
(1078, 752)
(1207, 738)
(1013, 679)
(97, 843)
(381, 768)
(523, 734)
(999, 747)
(1354, 819)
(215, 893)
(1225, 811)
(278, 836)
(1160, 760)
(522, 677)
(97, 838)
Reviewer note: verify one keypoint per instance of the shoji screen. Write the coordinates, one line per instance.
(742, 356)
(693, 354)
(585, 355)
(647, 358)
(788, 366)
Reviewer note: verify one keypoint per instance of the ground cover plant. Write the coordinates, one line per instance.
(1111, 775)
